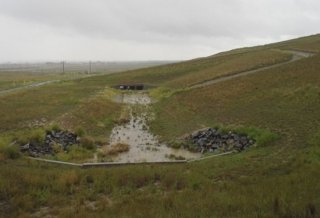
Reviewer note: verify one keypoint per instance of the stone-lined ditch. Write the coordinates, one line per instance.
(214, 140)
(54, 140)
(132, 142)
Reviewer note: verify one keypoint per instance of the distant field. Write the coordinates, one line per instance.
(277, 178)
(19, 74)
(77, 67)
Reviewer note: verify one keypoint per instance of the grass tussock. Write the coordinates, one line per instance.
(116, 149)
(262, 137)
(30, 135)
(75, 153)
(9, 151)
(87, 142)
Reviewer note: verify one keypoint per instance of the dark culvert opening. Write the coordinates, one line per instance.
(130, 87)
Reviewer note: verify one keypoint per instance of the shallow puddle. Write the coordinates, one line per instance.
(144, 146)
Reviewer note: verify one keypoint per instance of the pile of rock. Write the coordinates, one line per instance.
(62, 139)
(213, 140)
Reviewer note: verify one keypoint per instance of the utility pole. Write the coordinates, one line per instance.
(89, 67)
(63, 67)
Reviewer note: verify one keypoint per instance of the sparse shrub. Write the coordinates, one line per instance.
(261, 136)
(22, 139)
(87, 142)
(37, 136)
(57, 148)
(80, 132)
(55, 127)
(175, 144)
(10, 152)
(75, 152)
(266, 138)
(223, 130)
(34, 135)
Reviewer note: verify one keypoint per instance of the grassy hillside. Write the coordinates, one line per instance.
(278, 178)
(189, 72)
(285, 99)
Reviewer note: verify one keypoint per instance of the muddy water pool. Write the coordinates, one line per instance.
(144, 146)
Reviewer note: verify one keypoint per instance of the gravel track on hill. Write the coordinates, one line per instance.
(297, 55)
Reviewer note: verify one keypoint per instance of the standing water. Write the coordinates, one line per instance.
(143, 145)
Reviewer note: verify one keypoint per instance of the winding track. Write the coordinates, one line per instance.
(297, 55)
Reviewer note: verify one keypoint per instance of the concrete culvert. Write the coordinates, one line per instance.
(130, 87)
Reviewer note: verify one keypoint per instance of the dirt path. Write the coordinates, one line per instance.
(6, 91)
(297, 55)
(38, 84)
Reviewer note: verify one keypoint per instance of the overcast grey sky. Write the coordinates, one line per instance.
(51, 30)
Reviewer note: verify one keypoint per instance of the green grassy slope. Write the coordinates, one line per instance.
(278, 179)
(186, 73)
